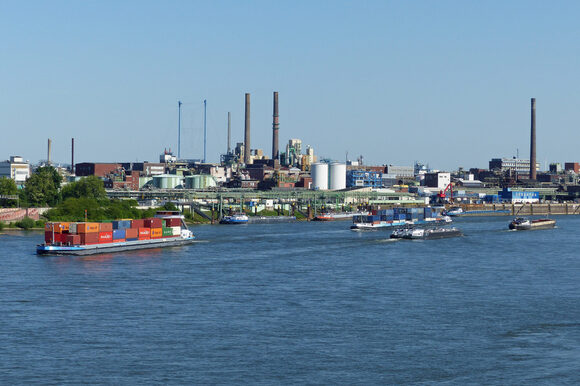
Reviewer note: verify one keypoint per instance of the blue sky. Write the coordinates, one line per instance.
(443, 82)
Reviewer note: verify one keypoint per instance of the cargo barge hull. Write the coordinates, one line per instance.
(93, 249)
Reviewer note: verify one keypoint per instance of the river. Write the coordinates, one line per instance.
(307, 303)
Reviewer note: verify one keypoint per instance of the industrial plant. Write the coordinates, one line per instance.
(294, 177)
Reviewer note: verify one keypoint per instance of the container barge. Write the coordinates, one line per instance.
(166, 229)
(399, 217)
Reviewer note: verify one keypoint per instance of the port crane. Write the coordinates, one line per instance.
(441, 196)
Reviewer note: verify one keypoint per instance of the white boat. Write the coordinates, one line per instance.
(428, 234)
(235, 219)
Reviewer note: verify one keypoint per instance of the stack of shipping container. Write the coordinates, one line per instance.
(86, 233)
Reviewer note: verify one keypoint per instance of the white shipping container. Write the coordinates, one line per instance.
(176, 231)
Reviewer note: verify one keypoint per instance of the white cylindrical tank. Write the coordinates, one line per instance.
(337, 176)
(319, 172)
(167, 181)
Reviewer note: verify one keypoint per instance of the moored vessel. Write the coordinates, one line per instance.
(336, 216)
(524, 224)
(238, 218)
(166, 229)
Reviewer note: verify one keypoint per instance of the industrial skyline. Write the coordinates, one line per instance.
(450, 90)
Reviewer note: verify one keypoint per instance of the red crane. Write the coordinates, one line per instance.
(441, 195)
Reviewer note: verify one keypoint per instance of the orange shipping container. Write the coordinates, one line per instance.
(144, 233)
(131, 233)
(106, 227)
(156, 233)
(105, 237)
(87, 227)
(58, 227)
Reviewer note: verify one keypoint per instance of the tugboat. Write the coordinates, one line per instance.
(525, 224)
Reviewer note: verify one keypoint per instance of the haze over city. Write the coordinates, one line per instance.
(445, 83)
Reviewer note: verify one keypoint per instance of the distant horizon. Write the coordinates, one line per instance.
(447, 83)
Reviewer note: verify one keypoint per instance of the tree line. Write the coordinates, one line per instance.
(81, 200)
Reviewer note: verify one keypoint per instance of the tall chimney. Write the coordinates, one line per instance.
(533, 142)
(247, 132)
(48, 151)
(275, 127)
(72, 157)
(229, 131)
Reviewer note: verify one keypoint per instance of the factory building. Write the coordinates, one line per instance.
(518, 197)
(15, 168)
(400, 171)
(85, 169)
(572, 167)
(437, 180)
(364, 178)
(555, 168)
(512, 165)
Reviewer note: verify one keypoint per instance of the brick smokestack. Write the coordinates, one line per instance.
(533, 142)
(247, 132)
(275, 127)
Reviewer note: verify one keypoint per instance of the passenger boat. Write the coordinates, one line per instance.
(238, 218)
(166, 229)
(524, 224)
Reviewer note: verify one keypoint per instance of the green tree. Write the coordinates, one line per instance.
(87, 187)
(42, 187)
(8, 188)
(25, 223)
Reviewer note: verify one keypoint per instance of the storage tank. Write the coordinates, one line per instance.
(192, 182)
(166, 181)
(208, 181)
(319, 172)
(337, 176)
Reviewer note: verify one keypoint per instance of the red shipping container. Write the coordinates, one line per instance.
(172, 222)
(50, 237)
(136, 224)
(153, 223)
(131, 233)
(90, 238)
(72, 239)
(106, 227)
(144, 233)
(105, 237)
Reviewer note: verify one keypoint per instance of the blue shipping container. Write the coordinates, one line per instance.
(122, 224)
(118, 234)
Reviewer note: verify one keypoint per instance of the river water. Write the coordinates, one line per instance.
(298, 303)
